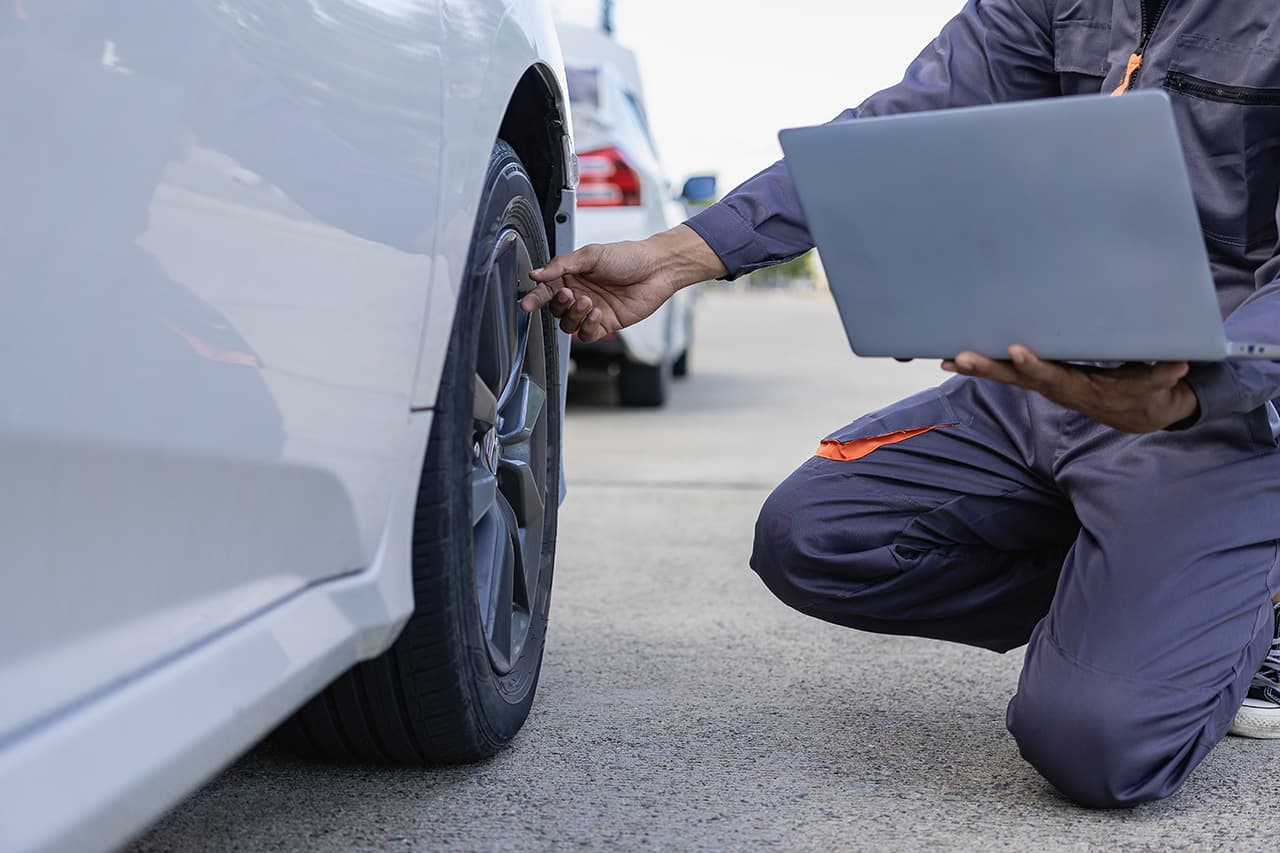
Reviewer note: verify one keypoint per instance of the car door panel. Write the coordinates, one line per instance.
(213, 231)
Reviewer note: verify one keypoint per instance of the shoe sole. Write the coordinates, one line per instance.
(1263, 724)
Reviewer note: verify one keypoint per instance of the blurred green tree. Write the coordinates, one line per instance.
(801, 272)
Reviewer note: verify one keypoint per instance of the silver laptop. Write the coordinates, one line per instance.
(1067, 225)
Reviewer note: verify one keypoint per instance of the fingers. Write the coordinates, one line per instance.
(1051, 374)
(593, 328)
(1023, 369)
(1170, 372)
(581, 262)
(554, 293)
(572, 319)
(559, 303)
(551, 278)
(1026, 370)
(972, 364)
(578, 316)
(540, 296)
(1135, 398)
(562, 302)
(1038, 373)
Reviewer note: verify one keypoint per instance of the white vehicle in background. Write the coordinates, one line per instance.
(277, 442)
(624, 194)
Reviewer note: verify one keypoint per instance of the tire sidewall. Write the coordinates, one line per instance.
(500, 702)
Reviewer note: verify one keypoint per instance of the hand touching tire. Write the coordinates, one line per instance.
(600, 289)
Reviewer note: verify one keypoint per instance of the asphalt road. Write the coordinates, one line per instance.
(681, 707)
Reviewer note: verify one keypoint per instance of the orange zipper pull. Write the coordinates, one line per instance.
(1135, 62)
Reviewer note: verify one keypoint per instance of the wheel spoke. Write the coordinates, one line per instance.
(520, 417)
(531, 564)
(515, 266)
(486, 552)
(497, 326)
(484, 491)
(523, 587)
(520, 487)
(503, 290)
(511, 384)
(484, 406)
(501, 634)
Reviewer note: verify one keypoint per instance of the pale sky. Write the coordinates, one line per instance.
(723, 77)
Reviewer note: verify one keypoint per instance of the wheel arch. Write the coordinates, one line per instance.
(536, 125)
(535, 121)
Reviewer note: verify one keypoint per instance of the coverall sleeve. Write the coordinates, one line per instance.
(993, 51)
(1236, 387)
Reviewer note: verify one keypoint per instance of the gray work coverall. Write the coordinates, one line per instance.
(1138, 568)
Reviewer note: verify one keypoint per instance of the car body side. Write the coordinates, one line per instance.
(220, 370)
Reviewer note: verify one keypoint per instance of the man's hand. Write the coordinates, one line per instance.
(598, 290)
(1134, 398)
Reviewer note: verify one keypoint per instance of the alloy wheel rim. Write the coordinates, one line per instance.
(509, 455)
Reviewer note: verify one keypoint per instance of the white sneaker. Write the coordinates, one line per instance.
(1260, 714)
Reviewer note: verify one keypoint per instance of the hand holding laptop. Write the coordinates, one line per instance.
(1135, 398)
(1066, 224)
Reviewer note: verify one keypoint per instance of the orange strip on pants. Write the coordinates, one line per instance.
(850, 451)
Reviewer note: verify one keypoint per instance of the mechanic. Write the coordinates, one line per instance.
(1123, 524)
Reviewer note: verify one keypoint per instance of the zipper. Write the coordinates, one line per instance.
(1209, 91)
(1150, 20)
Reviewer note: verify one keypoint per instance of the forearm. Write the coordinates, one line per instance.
(686, 258)
(757, 225)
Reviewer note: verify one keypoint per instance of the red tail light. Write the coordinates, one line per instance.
(607, 180)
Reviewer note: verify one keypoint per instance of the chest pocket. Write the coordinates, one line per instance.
(1080, 55)
(1227, 99)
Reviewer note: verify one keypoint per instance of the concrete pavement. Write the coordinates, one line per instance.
(681, 707)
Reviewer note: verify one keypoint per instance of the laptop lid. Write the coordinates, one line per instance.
(1067, 225)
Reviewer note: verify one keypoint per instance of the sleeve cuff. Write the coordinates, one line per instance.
(1216, 391)
(729, 235)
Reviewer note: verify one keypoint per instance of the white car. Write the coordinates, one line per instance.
(268, 407)
(624, 194)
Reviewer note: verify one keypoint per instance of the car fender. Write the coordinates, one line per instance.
(518, 36)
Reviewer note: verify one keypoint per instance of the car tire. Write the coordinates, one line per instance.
(459, 681)
(643, 385)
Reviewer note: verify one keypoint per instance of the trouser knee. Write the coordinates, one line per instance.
(779, 547)
(1106, 741)
(824, 563)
